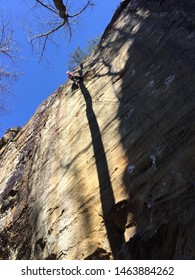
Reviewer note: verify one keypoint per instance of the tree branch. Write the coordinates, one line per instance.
(46, 6)
(89, 3)
(43, 49)
(57, 7)
(49, 32)
(7, 51)
(6, 40)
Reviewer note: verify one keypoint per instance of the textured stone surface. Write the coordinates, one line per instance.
(107, 171)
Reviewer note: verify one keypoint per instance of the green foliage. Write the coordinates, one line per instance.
(79, 55)
(92, 44)
(76, 58)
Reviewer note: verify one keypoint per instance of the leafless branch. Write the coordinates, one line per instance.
(43, 49)
(7, 55)
(89, 3)
(49, 32)
(70, 31)
(46, 6)
(56, 9)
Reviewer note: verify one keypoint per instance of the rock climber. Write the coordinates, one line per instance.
(74, 79)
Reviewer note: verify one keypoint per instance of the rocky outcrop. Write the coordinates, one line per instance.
(106, 171)
(9, 136)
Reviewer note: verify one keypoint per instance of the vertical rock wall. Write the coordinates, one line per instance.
(107, 171)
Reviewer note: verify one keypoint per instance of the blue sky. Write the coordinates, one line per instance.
(38, 81)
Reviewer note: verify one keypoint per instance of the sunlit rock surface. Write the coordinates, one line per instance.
(107, 172)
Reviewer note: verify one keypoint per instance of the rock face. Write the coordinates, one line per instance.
(106, 172)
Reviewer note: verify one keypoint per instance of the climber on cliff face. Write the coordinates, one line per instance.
(75, 80)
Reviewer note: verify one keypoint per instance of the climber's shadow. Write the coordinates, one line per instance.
(115, 237)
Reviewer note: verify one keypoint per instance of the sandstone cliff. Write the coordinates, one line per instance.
(106, 172)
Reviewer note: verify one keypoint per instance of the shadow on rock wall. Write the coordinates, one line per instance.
(157, 112)
(115, 235)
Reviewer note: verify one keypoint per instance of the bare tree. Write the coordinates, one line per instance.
(52, 17)
(8, 52)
